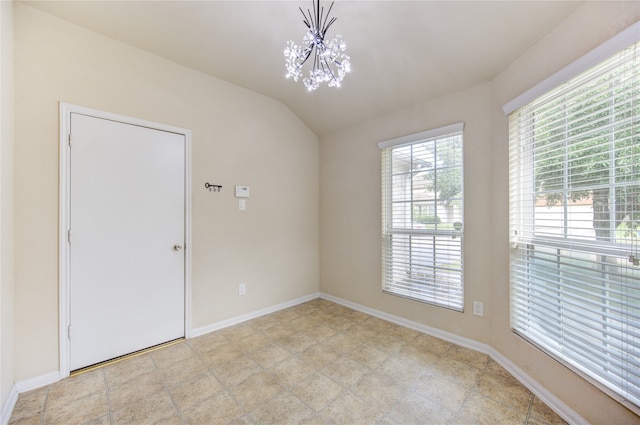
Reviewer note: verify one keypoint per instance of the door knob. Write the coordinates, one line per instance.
(177, 247)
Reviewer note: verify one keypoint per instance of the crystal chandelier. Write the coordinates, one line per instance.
(330, 63)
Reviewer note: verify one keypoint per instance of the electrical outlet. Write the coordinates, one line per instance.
(478, 308)
(242, 289)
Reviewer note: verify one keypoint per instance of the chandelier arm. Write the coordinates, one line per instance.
(317, 5)
(308, 50)
(315, 59)
(324, 24)
(318, 60)
(307, 19)
(330, 70)
(324, 30)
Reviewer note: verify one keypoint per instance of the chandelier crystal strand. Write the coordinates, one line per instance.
(330, 62)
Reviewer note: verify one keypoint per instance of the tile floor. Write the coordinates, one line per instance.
(315, 363)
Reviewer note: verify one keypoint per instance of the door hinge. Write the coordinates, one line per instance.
(69, 235)
(69, 139)
(69, 332)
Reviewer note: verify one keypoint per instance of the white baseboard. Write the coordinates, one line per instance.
(24, 386)
(8, 406)
(558, 406)
(37, 382)
(438, 333)
(253, 315)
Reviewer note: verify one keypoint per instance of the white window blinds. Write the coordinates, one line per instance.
(422, 217)
(575, 224)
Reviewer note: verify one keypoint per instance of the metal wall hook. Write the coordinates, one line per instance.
(213, 187)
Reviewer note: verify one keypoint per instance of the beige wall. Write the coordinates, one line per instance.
(350, 223)
(239, 138)
(7, 372)
(350, 206)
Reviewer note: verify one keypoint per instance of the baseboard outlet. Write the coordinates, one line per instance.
(249, 316)
(558, 406)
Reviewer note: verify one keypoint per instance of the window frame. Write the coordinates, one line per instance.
(526, 241)
(388, 231)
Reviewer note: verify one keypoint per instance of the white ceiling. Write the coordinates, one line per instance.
(402, 52)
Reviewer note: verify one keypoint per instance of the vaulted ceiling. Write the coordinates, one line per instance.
(402, 52)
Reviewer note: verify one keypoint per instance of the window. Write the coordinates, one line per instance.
(422, 224)
(575, 223)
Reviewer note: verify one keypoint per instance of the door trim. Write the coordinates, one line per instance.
(66, 109)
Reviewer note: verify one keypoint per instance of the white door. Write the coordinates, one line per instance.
(127, 215)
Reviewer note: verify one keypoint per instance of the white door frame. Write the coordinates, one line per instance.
(66, 110)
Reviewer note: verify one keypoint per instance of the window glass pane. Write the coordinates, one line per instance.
(401, 160)
(424, 215)
(450, 215)
(628, 214)
(401, 215)
(401, 185)
(423, 186)
(424, 156)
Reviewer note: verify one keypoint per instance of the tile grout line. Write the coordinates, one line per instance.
(529, 410)
(107, 393)
(226, 388)
(166, 385)
(44, 406)
(469, 391)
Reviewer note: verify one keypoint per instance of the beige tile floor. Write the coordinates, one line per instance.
(315, 363)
